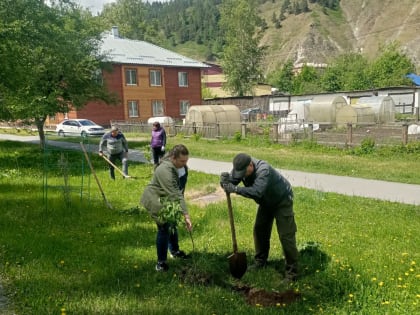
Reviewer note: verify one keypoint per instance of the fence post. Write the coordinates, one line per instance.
(276, 132)
(349, 133)
(194, 128)
(311, 131)
(218, 130)
(405, 134)
(243, 129)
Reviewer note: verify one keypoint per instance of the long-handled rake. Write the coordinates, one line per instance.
(120, 171)
(94, 175)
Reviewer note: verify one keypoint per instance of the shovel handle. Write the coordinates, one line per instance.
(232, 224)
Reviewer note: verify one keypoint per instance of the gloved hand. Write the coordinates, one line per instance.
(229, 188)
(162, 148)
(224, 178)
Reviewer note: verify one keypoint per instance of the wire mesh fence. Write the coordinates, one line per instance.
(286, 132)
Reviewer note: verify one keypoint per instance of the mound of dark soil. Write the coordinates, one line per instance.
(255, 296)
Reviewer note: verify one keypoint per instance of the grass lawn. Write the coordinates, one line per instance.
(63, 251)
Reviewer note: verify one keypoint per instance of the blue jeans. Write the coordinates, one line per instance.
(166, 238)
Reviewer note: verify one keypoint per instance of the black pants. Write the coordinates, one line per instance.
(157, 154)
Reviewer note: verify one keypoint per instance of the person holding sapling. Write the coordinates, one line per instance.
(164, 200)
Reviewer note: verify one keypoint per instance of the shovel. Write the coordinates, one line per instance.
(237, 261)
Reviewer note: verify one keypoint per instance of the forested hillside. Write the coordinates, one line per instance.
(307, 31)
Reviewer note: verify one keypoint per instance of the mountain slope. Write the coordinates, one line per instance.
(359, 26)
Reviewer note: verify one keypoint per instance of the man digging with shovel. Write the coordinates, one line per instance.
(274, 196)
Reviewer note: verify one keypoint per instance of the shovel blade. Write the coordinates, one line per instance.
(237, 265)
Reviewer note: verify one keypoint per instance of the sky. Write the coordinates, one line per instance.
(95, 6)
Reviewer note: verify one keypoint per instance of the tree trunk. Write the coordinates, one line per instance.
(40, 126)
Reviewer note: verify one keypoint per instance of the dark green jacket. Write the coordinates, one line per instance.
(164, 184)
(266, 185)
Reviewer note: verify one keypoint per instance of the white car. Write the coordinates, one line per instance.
(79, 127)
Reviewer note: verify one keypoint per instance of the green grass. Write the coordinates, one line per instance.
(70, 252)
(390, 163)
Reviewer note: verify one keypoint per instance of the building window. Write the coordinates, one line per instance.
(183, 79)
(130, 76)
(157, 108)
(133, 109)
(183, 107)
(97, 77)
(155, 78)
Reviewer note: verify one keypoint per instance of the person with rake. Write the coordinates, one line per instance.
(164, 199)
(274, 196)
(115, 143)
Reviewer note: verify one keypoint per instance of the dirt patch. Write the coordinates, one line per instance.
(253, 296)
(203, 198)
(261, 297)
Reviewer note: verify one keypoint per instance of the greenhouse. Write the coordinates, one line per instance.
(213, 120)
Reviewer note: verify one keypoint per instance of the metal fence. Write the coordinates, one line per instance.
(287, 132)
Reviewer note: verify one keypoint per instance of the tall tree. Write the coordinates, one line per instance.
(129, 16)
(282, 78)
(49, 60)
(306, 81)
(347, 72)
(391, 67)
(242, 56)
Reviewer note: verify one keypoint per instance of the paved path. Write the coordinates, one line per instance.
(351, 186)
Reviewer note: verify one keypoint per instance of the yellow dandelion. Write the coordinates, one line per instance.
(404, 254)
(351, 295)
(84, 270)
(385, 303)
(180, 285)
(135, 266)
(62, 262)
(413, 263)
(258, 305)
(418, 296)
(399, 279)
(357, 276)
(373, 279)
(381, 283)
(411, 270)
(417, 276)
(137, 285)
(278, 304)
